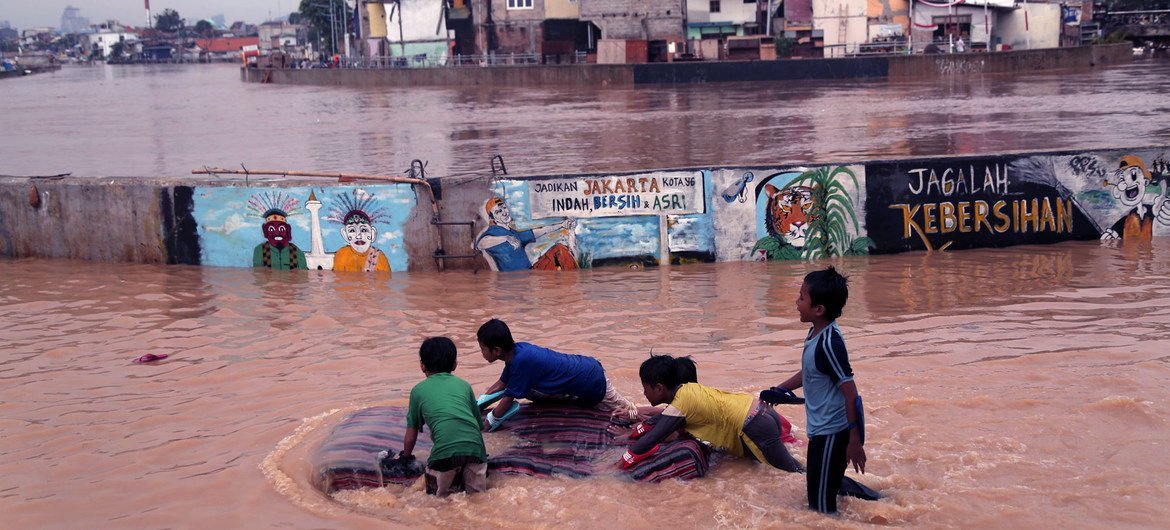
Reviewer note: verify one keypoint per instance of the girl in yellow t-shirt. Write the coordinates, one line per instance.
(731, 422)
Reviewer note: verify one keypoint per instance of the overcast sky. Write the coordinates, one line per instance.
(36, 13)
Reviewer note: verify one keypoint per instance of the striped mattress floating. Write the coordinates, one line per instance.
(551, 441)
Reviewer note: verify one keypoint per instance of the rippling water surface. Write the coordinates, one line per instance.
(1020, 387)
(168, 120)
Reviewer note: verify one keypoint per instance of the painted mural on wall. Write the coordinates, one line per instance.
(756, 213)
(1125, 193)
(618, 196)
(809, 214)
(357, 213)
(599, 220)
(969, 203)
(277, 251)
(364, 226)
(507, 249)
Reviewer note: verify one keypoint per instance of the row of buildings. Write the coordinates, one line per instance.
(78, 39)
(621, 31)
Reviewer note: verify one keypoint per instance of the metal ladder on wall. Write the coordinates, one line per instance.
(418, 170)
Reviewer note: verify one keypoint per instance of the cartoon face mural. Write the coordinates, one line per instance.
(788, 213)
(504, 247)
(809, 215)
(276, 230)
(498, 212)
(1131, 189)
(358, 231)
(357, 213)
(278, 250)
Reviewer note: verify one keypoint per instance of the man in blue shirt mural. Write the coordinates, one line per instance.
(503, 245)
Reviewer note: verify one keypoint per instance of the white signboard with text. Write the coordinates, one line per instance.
(661, 193)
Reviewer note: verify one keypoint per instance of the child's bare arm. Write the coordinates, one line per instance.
(855, 451)
(794, 382)
(496, 387)
(408, 441)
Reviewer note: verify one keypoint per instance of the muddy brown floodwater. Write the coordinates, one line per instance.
(1007, 388)
(170, 119)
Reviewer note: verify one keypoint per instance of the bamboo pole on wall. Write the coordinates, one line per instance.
(341, 177)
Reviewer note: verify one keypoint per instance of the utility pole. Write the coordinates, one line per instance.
(768, 20)
(345, 26)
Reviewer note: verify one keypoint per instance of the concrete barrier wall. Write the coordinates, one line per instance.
(577, 221)
(110, 220)
(625, 75)
(598, 75)
(919, 66)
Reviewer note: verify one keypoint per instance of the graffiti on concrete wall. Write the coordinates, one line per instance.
(810, 214)
(596, 220)
(1125, 193)
(277, 251)
(757, 213)
(358, 214)
(364, 226)
(618, 196)
(971, 203)
(507, 248)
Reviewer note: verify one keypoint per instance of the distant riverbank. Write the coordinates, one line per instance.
(627, 75)
(23, 66)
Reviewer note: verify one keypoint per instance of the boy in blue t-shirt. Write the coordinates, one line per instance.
(540, 374)
(832, 405)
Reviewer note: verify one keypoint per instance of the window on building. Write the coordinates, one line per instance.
(951, 26)
(716, 6)
(519, 4)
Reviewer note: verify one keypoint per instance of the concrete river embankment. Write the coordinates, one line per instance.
(626, 75)
(641, 218)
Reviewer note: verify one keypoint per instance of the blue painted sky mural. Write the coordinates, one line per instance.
(230, 230)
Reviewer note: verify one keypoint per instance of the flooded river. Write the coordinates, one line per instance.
(1010, 388)
(168, 120)
(1007, 388)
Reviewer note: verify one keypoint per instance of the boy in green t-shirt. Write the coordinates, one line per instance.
(444, 402)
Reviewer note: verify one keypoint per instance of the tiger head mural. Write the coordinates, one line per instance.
(788, 213)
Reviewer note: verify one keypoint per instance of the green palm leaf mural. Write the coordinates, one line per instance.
(833, 217)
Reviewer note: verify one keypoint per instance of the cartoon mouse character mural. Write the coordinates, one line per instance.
(278, 250)
(1132, 190)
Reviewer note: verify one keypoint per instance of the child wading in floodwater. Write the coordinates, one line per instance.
(835, 424)
(445, 403)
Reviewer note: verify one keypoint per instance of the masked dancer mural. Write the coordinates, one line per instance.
(278, 250)
(358, 214)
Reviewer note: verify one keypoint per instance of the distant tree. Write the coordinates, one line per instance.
(204, 28)
(317, 14)
(169, 21)
(294, 18)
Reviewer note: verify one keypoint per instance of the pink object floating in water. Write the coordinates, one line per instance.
(149, 358)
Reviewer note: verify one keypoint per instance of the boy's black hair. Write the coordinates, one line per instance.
(495, 334)
(828, 288)
(437, 355)
(668, 371)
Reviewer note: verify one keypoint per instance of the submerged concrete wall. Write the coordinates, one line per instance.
(626, 75)
(824, 209)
